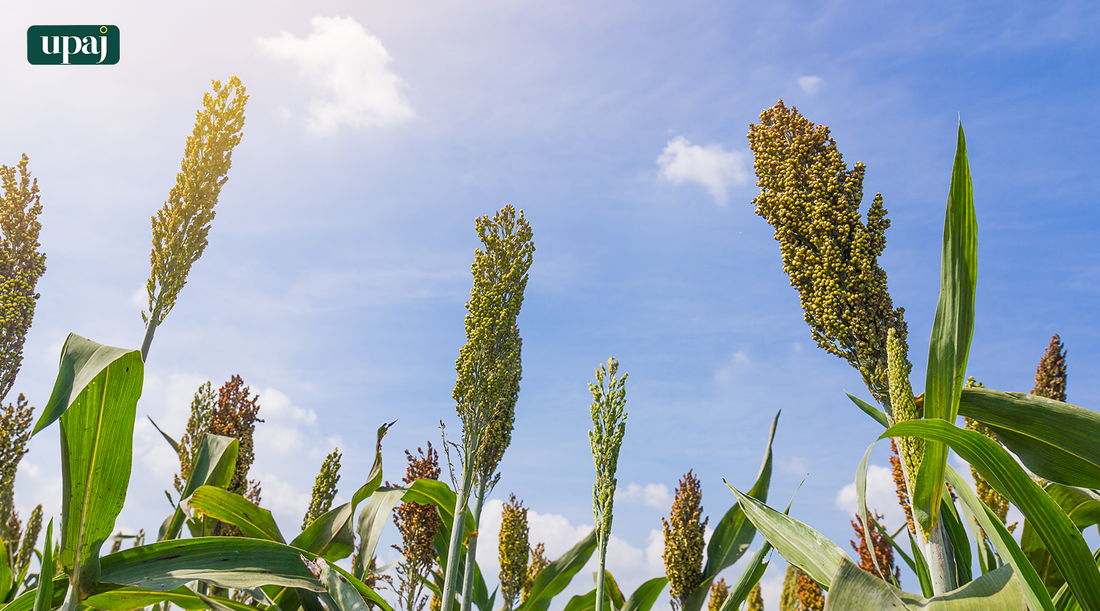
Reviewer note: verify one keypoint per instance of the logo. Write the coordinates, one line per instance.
(72, 45)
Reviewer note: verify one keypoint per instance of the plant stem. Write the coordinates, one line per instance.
(602, 551)
(939, 556)
(471, 548)
(450, 580)
(151, 328)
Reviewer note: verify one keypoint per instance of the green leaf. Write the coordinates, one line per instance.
(799, 544)
(1081, 505)
(870, 410)
(1002, 541)
(347, 598)
(373, 519)
(857, 590)
(748, 579)
(434, 492)
(171, 442)
(1055, 440)
(128, 598)
(924, 577)
(1002, 472)
(332, 536)
(951, 332)
(613, 597)
(96, 413)
(553, 579)
(611, 590)
(234, 509)
(643, 598)
(44, 599)
(734, 533)
(957, 537)
(213, 466)
(81, 361)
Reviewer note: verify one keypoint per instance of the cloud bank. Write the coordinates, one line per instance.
(350, 65)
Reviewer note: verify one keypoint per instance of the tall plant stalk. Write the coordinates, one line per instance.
(489, 370)
(606, 437)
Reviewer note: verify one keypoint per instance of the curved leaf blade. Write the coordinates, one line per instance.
(643, 598)
(553, 579)
(1053, 526)
(97, 433)
(952, 331)
(799, 544)
(856, 590)
(1055, 440)
(214, 465)
(220, 504)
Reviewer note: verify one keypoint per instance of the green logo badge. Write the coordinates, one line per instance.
(72, 45)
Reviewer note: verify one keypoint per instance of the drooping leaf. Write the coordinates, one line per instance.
(1058, 533)
(1002, 541)
(214, 464)
(1055, 440)
(222, 505)
(553, 579)
(97, 430)
(799, 544)
(952, 331)
(857, 590)
(129, 597)
(734, 533)
(612, 596)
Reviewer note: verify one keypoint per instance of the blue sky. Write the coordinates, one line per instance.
(376, 132)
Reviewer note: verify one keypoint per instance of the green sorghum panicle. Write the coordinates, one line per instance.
(15, 431)
(514, 549)
(21, 265)
(489, 365)
(30, 539)
(903, 405)
(538, 562)
(606, 438)
(324, 488)
(812, 199)
(1050, 375)
(181, 226)
(788, 599)
(684, 533)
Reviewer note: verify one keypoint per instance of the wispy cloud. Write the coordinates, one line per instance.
(810, 84)
(711, 166)
(343, 59)
(650, 495)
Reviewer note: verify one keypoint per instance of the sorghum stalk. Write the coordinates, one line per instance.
(489, 371)
(180, 227)
(606, 437)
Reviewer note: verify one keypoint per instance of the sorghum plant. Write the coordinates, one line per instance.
(684, 532)
(417, 524)
(182, 224)
(606, 438)
(514, 551)
(324, 488)
(489, 371)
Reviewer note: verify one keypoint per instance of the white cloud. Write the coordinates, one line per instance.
(711, 166)
(882, 497)
(650, 495)
(810, 84)
(282, 431)
(793, 464)
(352, 66)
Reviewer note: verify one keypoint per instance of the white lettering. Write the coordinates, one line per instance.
(46, 45)
(91, 46)
(65, 52)
(102, 49)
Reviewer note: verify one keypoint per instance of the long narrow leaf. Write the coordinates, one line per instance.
(1036, 593)
(213, 466)
(43, 600)
(952, 331)
(553, 579)
(222, 505)
(734, 533)
(643, 598)
(1055, 440)
(97, 431)
(799, 544)
(373, 518)
(332, 536)
(857, 590)
(998, 468)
